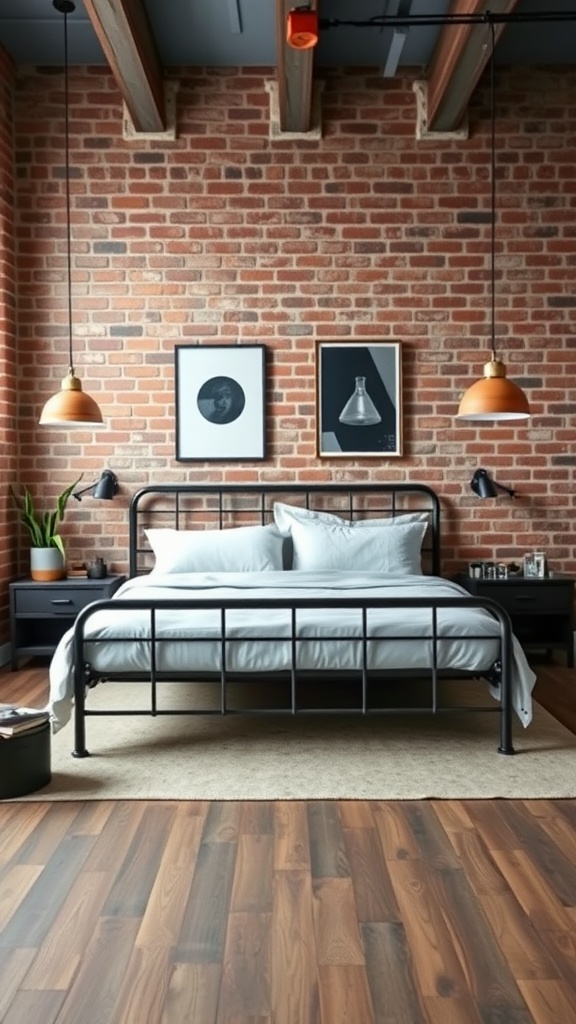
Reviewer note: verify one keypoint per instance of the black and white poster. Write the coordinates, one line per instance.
(359, 398)
(220, 396)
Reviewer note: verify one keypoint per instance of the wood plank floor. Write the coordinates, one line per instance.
(317, 912)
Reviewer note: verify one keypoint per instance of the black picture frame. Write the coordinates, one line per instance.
(359, 399)
(220, 402)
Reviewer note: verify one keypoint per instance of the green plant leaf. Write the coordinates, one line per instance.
(57, 542)
(43, 527)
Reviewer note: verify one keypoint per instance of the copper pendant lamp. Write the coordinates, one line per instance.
(494, 397)
(69, 407)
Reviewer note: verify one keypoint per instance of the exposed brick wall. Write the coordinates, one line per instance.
(8, 422)
(224, 236)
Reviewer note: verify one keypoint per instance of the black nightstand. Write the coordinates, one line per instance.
(40, 613)
(541, 610)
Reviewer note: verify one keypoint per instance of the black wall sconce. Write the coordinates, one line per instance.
(104, 489)
(485, 487)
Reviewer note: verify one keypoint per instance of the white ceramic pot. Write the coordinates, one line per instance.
(46, 564)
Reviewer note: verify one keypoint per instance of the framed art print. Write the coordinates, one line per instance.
(359, 398)
(220, 395)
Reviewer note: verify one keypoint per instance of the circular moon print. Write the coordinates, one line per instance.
(221, 400)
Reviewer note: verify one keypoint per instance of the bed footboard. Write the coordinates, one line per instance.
(365, 673)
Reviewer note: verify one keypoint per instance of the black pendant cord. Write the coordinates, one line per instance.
(67, 168)
(66, 7)
(492, 196)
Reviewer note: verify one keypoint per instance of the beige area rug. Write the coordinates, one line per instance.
(398, 757)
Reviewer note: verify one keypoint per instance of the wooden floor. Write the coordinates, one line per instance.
(318, 912)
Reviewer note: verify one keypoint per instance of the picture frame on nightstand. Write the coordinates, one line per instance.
(535, 565)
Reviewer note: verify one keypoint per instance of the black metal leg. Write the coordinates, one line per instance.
(79, 720)
(506, 745)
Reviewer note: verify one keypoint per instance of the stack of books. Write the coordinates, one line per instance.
(16, 720)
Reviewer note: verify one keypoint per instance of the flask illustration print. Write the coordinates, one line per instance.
(359, 410)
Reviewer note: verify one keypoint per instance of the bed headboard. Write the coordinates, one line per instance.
(217, 506)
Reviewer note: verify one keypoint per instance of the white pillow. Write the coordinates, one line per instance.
(327, 547)
(285, 515)
(238, 549)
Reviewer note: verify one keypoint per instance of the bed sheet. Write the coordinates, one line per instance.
(247, 630)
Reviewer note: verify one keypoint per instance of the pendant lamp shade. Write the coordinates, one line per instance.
(69, 407)
(494, 397)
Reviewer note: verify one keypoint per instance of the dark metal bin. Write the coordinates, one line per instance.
(25, 762)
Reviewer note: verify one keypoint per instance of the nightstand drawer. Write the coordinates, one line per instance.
(541, 609)
(40, 613)
(55, 600)
(517, 598)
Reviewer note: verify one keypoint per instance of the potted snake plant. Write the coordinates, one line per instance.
(47, 553)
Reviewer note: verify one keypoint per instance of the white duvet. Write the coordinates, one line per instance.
(194, 635)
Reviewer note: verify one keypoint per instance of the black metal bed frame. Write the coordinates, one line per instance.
(182, 506)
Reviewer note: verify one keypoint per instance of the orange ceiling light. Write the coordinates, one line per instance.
(494, 398)
(70, 407)
(302, 28)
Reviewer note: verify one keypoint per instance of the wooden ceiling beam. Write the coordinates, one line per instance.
(460, 56)
(124, 34)
(294, 75)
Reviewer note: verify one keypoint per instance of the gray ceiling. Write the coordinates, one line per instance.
(141, 40)
(243, 32)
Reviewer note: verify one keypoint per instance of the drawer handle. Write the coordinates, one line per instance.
(61, 600)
